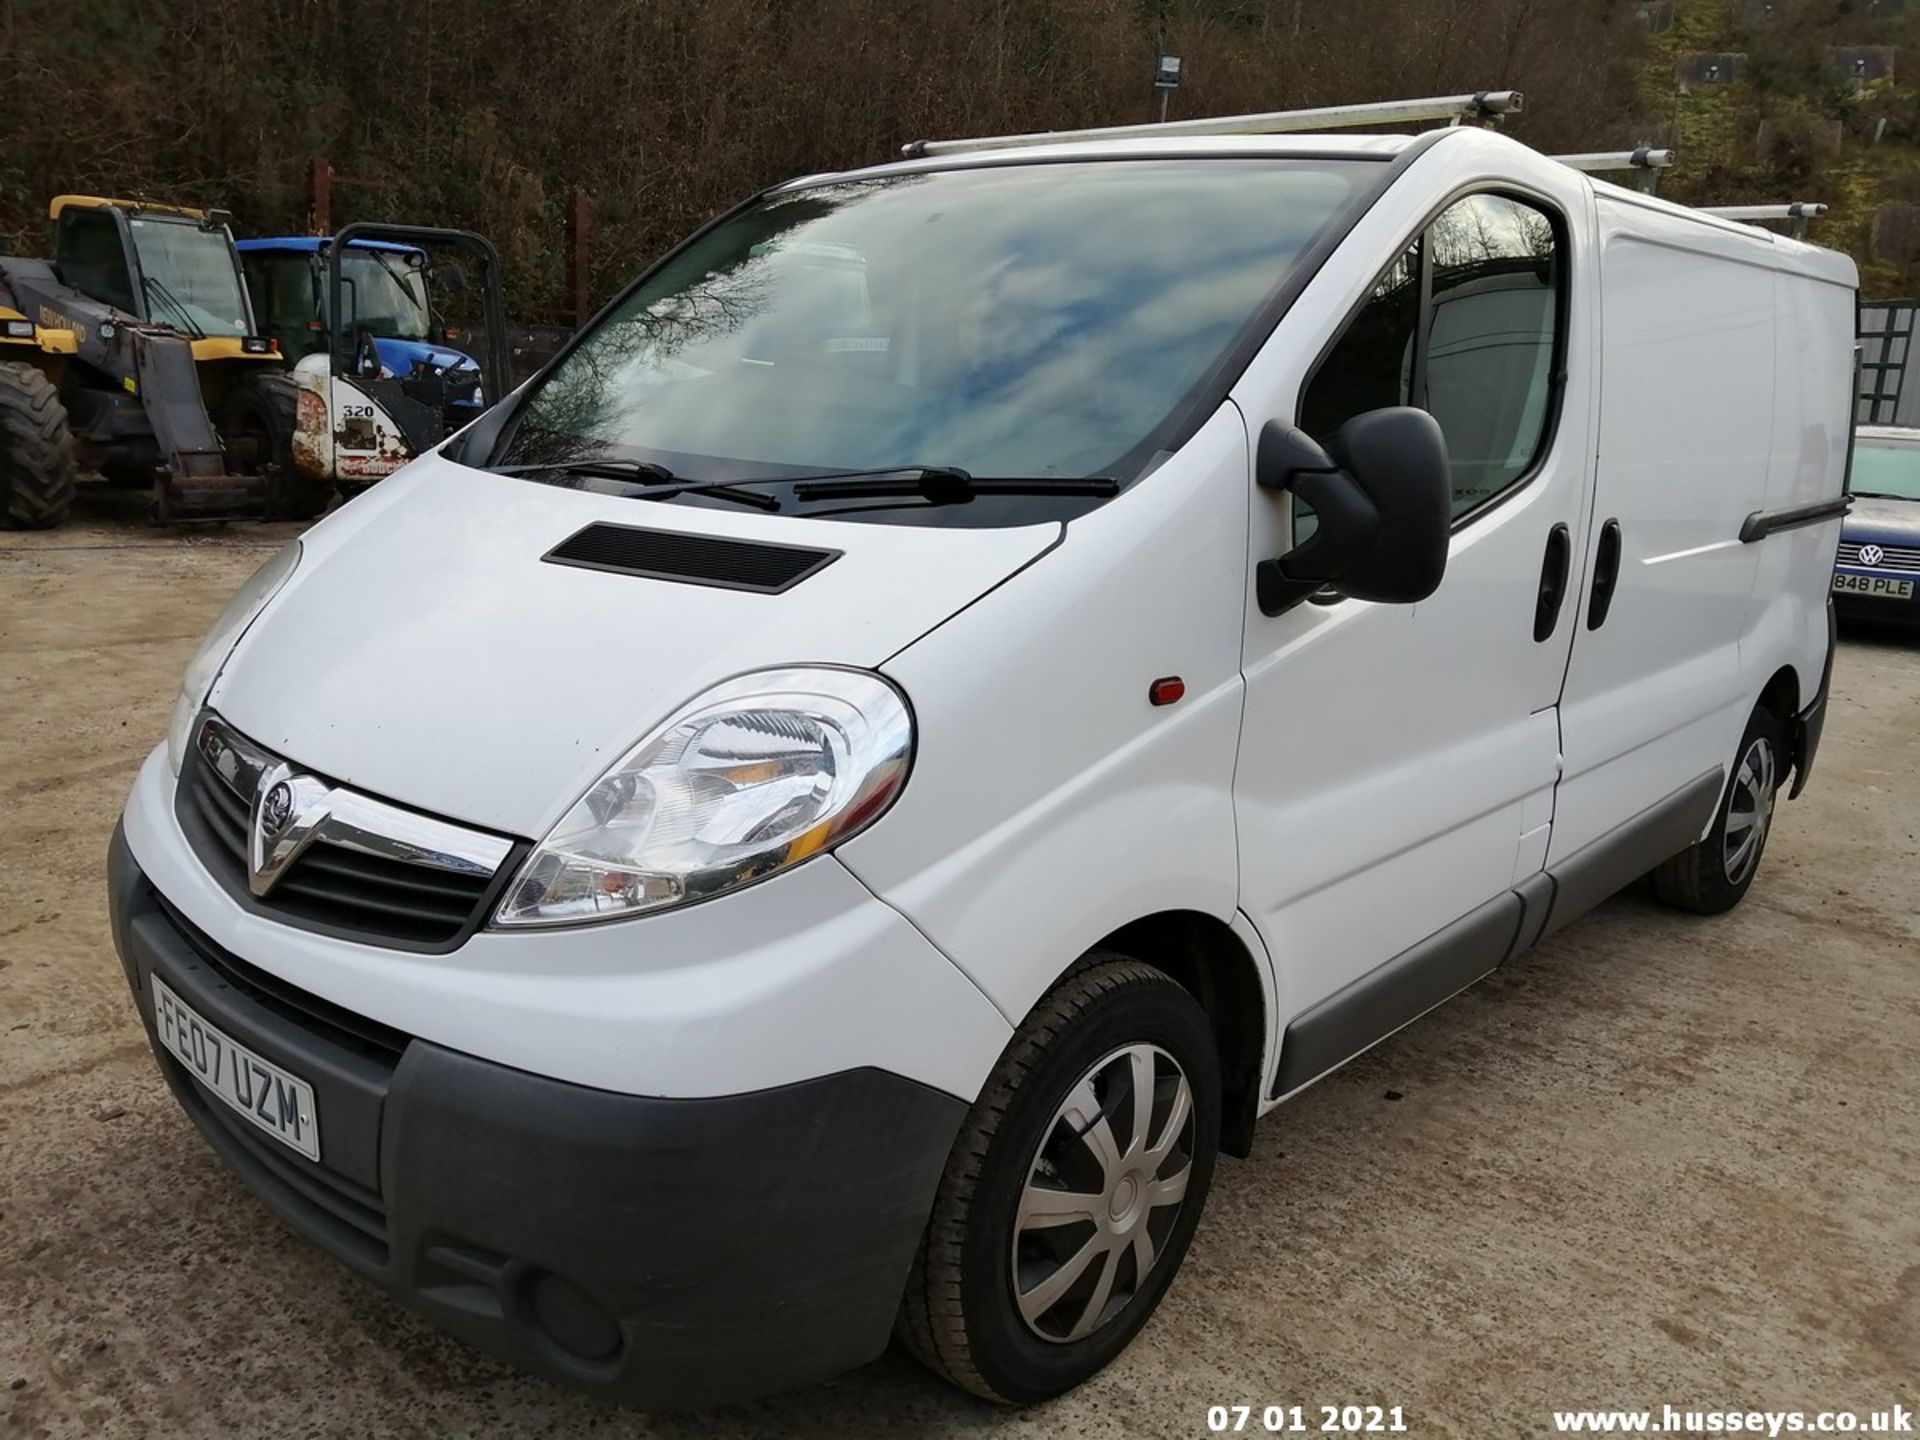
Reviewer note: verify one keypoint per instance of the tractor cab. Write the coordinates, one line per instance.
(391, 302)
(161, 264)
(359, 320)
(144, 342)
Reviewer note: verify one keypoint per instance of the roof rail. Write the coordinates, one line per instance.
(1484, 105)
(1793, 210)
(1644, 158)
(1645, 161)
(1800, 212)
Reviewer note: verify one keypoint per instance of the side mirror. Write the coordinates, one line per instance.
(450, 278)
(1382, 489)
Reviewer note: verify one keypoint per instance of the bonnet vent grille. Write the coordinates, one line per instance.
(690, 559)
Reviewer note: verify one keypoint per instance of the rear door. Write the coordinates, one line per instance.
(1397, 763)
(1656, 696)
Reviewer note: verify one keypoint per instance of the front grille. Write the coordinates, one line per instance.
(1903, 559)
(332, 886)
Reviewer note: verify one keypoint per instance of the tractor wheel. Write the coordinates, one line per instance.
(256, 423)
(36, 451)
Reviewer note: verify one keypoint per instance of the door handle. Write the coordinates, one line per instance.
(1606, 573)
(1553, 582)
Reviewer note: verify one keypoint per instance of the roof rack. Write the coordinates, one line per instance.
(1793, 210)
(1798, 211)
(1486, 106)
(1643, 158)
(1645, 161)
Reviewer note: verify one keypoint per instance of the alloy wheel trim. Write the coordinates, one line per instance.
(1104, 1189)
(1750, 809)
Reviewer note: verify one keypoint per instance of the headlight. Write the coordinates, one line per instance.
(204, 668)
(755, 775)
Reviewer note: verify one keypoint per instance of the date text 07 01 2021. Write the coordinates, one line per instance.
(1308, 1419)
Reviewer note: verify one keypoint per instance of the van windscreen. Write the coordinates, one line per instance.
(1039, 321)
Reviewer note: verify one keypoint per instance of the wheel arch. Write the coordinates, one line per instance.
(1212, 963)
(1781, 694)
(1787, 700)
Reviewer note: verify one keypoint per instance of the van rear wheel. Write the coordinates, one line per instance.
(1710, 877)
(1073, 1188)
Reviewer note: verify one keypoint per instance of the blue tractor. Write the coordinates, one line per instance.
(359, 325)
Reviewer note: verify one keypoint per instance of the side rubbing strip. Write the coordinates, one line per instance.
(1624, 854)
(1536, 894)
(1762, 523)
(1448, 961)
(1398, 992)
(755, 565)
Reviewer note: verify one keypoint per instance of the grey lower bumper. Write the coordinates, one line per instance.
(670, 1253)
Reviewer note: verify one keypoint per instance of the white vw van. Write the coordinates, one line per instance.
(966, 686)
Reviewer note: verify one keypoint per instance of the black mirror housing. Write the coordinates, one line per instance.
(1382, 489)
(1398, 457)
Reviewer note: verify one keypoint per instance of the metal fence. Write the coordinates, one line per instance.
(1886, 337)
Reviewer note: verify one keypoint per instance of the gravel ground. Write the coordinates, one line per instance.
(1659, 1159)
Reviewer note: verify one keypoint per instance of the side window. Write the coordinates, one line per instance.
(1491, 340)
(89, 257)
(1372, 366)
(1477, 353)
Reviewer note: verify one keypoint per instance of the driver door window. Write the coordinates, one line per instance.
(1464, 325)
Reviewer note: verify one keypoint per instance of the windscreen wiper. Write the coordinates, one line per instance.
(660, 483)
(399, 278)
(936, 484)
(154, 286)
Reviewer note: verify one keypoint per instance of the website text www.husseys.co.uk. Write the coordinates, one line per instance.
(1679, 1420)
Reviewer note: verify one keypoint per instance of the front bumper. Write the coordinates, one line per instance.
(668, 1253)
(802, 975)
(1879, 610)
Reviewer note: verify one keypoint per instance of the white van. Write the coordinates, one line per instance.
(969, 684)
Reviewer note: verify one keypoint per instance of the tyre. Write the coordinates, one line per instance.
(1710, 877)
(36, 451)
(1073, 1189)
(256, 423)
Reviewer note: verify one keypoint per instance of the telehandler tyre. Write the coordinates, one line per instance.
(256, 423)
(36, 451)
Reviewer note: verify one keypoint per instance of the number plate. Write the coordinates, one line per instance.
(276, 1102)
(1875, 585)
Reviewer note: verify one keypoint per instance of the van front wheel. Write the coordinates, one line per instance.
(1710, 877)
(1073, 1188)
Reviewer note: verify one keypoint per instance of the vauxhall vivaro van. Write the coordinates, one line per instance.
(967, 685)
